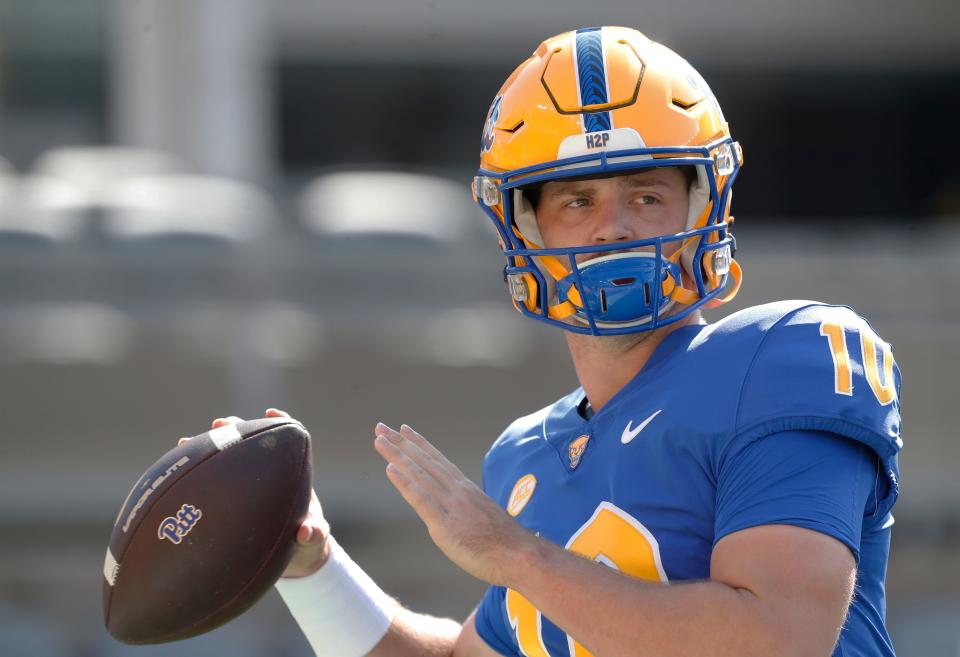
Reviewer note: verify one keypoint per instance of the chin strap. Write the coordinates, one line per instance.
(737, 274)
(561, 310)
(566, 308)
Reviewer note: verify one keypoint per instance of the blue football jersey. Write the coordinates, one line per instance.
(786, 413)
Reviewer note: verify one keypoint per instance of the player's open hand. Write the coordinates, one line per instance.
(468, 526)
(312, 535)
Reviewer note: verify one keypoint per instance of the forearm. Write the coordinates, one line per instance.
(614, 615)
(343, 613)
(419, 635)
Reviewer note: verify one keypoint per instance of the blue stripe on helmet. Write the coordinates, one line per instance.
(593, 78)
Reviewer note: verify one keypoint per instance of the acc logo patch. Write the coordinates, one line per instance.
(486, 142)
(522, 492)
(577, 448)
(174, 528)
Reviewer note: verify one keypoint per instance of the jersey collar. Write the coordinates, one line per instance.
(564, 421)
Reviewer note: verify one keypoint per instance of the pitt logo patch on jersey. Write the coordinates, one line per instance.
(175, 528)
(522, 492)
(577, 448)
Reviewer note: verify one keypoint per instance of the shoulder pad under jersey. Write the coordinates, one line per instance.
(824, 368)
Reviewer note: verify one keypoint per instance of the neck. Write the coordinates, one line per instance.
(606, 364)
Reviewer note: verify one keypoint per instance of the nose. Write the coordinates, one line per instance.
(611, 224)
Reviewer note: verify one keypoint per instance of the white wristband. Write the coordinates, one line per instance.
(342, 612)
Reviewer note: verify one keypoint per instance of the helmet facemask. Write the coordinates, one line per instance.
(617, 293)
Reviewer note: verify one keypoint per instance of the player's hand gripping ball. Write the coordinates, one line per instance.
(207, 530)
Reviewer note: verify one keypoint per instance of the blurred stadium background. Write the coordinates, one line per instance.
(208, 207)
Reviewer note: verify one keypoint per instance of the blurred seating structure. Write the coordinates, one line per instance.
(94, 169)
(171, 205)
(39, 210)
(372, 203)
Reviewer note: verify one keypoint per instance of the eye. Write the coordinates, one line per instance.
(578, 203)
(646, 199)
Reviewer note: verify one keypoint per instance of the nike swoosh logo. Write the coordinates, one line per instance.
(629, 434)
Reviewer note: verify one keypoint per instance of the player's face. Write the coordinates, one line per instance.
(640, 205)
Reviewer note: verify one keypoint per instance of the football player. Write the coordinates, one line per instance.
(709, 490)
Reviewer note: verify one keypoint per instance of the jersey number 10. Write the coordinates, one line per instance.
(612, 537)
(883, 389)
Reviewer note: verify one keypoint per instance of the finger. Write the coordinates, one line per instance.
(304, 534)
(413, 470)
(276, 412)
(182, 441)
(315, 517)
(417, 450)
(388, 444)
(425, 504)
(439, 464)
(417, 439)
(224, 421)
(311, 532)
(417, 455)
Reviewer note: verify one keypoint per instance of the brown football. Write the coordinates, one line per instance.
(206, 531)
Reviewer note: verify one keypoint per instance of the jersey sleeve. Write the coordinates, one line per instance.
(491, 622)
(809, 479)
(824, 368)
